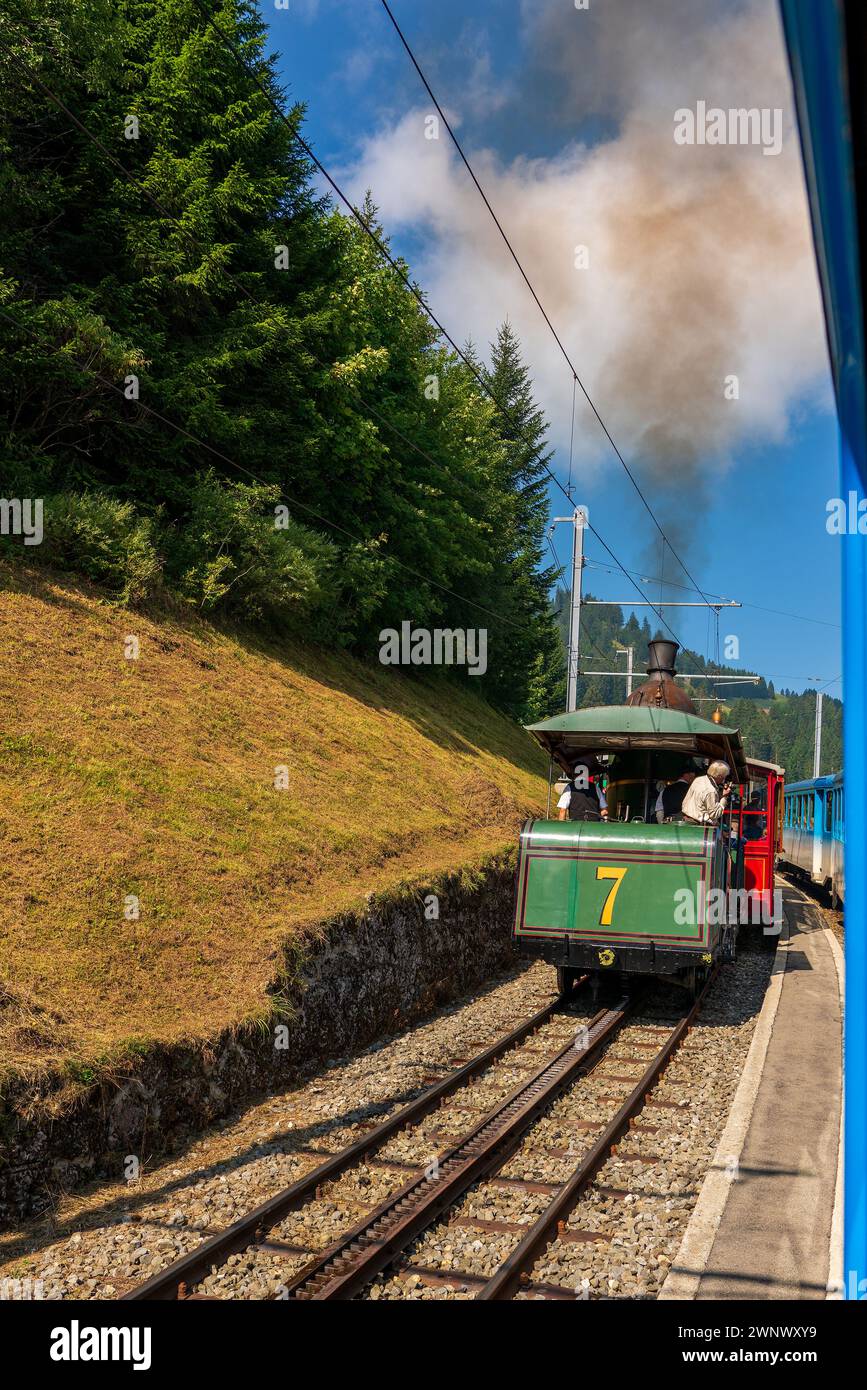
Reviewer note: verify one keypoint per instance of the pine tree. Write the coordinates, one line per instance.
(521, 426)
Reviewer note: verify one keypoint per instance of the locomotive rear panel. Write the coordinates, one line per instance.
(591, 893)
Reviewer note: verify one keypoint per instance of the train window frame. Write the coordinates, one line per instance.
(755, 786)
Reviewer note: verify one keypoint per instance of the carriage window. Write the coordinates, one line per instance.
(755, 806)
(829, 812)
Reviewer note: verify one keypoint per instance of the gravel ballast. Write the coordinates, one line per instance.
(114, 1238)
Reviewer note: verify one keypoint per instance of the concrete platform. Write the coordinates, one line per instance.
(774, 1231)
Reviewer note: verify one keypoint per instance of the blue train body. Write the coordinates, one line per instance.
(813, 835)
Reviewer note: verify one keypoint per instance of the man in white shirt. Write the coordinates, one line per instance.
(707, 800)
(583, 798)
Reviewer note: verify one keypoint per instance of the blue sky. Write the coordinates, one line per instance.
(566, 118)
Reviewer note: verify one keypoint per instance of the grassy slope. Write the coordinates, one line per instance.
(155, 778)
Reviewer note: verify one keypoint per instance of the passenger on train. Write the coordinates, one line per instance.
(584, 798)
(707, 800)
(754, 822)
(669, 803)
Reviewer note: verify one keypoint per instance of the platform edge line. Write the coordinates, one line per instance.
(690, 1263)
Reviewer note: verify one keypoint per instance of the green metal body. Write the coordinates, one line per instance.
(630, 895)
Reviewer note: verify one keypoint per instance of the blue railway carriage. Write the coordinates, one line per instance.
(813, 833)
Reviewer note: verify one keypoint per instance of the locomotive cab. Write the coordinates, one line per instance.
(628, 894)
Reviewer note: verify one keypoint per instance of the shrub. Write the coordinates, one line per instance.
(107, 540)
(230, 555)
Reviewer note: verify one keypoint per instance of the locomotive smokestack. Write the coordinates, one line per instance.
(660, 689)
(661, 656)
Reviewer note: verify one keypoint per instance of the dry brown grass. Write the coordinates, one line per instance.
(155, 778)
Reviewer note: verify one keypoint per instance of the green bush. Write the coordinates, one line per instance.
(229, 555)
(92, 533)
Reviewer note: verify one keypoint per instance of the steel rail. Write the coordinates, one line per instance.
(358, 1255)
(517, 1267)
(173, 1281)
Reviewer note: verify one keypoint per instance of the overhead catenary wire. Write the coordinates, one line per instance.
(560, 570)
(688, 588)
(181, 430)
(284, 496)
(571, 438)
(411, 443)
(194, 240)
(31, 75)
(576, 379)
(413, 289)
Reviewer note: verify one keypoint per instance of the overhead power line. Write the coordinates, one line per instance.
(688, 588)
(32, 76)
(399, 271)
(233, 463)
(575, 376)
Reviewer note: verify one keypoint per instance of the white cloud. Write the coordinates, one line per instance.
(701, 263)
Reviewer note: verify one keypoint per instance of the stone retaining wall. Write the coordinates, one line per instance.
(355, 979)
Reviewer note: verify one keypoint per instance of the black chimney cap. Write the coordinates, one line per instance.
(661, 656)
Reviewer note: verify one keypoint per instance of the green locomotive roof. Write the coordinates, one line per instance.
(612, 728)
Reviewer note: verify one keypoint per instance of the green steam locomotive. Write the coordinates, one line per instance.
(629, 894)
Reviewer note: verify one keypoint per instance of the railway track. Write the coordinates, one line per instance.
(179, 1279)
(362, 1252)
(381, 1237)
(515, 1272)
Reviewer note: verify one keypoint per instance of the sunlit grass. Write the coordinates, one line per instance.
(154, 778)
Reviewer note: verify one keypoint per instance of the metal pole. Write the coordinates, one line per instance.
(630, 652)
(817, 741)
(657, 603)
(578, 523)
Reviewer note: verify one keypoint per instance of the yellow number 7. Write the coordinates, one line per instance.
(604, 872)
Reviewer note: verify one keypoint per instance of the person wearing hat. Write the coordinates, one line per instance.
(583, 798)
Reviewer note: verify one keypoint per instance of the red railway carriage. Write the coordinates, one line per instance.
(757, 817)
